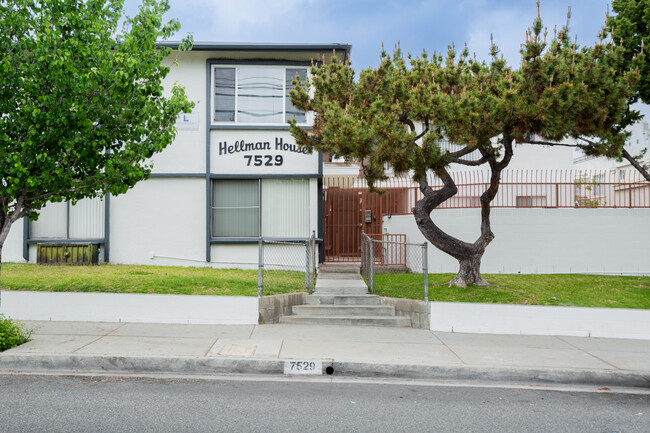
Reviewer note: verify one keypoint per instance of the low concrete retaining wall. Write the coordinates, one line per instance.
(540, 320)
(130, 307)
(417, 311)
(272, 307)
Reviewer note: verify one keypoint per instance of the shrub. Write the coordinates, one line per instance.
(12, 333)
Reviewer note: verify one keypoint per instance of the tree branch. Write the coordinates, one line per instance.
(636, 164)
(424, 131)
(551, 143)
(405, 119)
(507, 144)
(462, 152)
(478, 162)
(12, 218)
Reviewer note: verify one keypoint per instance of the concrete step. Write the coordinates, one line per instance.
(343, 310)
(337, 276)
(400, 322)
(343, 300)
(342, 268)
(340, 287)
(341, 291)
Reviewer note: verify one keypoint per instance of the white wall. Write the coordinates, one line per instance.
(130, 307)
(540, 320)
(541, 241)
(160, 221)
(12, 250)
(187, 153)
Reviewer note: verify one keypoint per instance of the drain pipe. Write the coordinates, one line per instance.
(260, 267)
(425, 270)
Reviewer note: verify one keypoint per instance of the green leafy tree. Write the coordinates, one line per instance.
(396, 115)
(81, 110)
(630, 26)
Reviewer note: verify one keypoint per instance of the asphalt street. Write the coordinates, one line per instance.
(32, 403)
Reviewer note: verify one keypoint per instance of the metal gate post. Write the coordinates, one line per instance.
(307, 242)
(362, 256)
(372, 265)
(425, 270)
(260, 267)
(312, 269)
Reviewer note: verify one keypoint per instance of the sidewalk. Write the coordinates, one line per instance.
(349, 351)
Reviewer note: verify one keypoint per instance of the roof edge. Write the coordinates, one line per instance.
(261, 47)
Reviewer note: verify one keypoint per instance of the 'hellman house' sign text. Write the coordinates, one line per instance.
(254, 155)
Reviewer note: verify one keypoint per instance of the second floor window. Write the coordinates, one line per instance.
(255, 94)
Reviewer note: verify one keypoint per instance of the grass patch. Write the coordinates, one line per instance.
(146, 279)
(557, 289)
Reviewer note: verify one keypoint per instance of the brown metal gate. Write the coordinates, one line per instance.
(348, 208)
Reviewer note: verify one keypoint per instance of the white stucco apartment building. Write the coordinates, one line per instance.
(233, 173)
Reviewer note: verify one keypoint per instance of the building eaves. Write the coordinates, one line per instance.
(323, 48)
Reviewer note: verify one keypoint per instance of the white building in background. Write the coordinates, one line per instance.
(604, 181)
(233, 173)
(639, 139)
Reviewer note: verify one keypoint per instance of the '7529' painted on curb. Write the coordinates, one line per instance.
(303, 367)
(267, 160)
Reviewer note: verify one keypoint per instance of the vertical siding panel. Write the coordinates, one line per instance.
(87, 219)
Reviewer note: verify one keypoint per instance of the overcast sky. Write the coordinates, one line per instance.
(366, 24)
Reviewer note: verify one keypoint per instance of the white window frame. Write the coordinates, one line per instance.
(260, 206)
(236, 67)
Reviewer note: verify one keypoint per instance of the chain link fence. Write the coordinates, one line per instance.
(393, 267)
(286, 265)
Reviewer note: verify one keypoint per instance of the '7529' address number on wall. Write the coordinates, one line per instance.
(266, 160)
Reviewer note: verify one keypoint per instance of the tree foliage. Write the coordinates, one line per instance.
(397, 115)
(630, 27)
(81, 110)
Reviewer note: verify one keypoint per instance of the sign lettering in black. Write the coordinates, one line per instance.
(243, 146)
(267, 160)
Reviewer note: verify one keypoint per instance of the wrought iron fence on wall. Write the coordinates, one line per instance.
(286, 265)
(518, 188)
(349, 207)
(385, 263)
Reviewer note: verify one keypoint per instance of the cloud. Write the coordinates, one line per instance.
(242, 20)
(507, 27)
(366, 24)
(508, 24)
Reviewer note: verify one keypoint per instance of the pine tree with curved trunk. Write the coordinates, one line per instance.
(398, 114)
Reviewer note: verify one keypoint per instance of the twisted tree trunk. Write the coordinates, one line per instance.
(468, 254)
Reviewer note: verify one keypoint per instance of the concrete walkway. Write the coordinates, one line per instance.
(349, 351)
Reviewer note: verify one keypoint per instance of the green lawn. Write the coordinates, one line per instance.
(147, 279)
(557, 289)
(563, 289)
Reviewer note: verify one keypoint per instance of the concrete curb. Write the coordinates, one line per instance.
(16, 363)
(484, 374)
